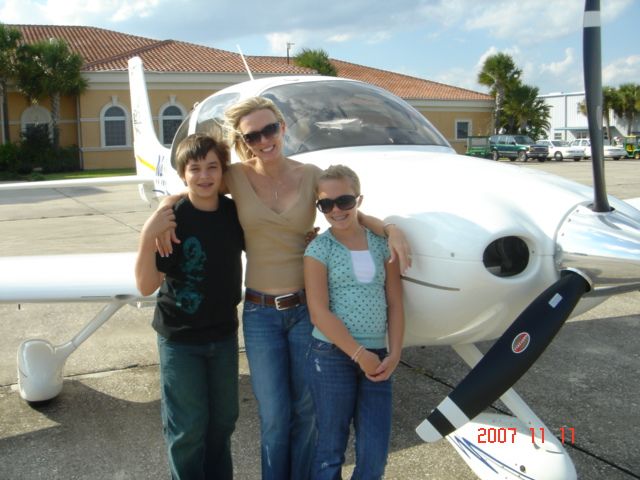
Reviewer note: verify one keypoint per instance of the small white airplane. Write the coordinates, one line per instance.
(499, 251)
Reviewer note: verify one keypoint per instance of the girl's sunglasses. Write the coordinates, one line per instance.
(267, 132)
(343, 202)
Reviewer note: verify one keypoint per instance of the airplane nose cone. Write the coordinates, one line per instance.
(604, 246)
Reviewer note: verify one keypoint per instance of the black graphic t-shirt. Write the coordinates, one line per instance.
(198, 299)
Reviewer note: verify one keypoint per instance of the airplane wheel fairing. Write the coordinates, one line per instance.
(506, 256)
(39, 374)
(497, 446)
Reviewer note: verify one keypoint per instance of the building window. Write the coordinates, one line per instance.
(463, 129)
(35, 116)
(557, 135)
(170, 120)
(115, 127)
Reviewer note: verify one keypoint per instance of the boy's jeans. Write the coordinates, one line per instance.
(199, 387)
(342, 393)
(277, 344)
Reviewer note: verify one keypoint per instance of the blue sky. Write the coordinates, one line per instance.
(440, 40)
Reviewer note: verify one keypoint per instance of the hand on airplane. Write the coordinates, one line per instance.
(385, 369)
(399, 247)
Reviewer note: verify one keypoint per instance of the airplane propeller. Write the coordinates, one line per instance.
(509, 357)
(529, 335)
(592, 65)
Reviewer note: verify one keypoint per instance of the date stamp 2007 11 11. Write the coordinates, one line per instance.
(504, 435)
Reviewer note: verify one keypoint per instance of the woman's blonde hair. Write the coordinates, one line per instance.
(236, 112)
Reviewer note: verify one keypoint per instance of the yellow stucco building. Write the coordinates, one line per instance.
(180, 74)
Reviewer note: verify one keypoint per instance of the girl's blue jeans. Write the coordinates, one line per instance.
(342, 394)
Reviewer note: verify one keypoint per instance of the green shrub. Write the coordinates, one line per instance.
(66, 159)
(35, 148)
(9, 153)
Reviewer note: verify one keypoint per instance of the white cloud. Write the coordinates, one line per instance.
(138, 9)
(561, 67)
(622, 70)
(377, 37)
(278, 42)
(340, 38)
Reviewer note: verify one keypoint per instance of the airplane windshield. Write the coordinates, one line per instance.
(327, 114)
(322, 115)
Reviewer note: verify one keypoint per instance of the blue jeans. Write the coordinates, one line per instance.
(342, 394)
(199, 392)
(277, 345)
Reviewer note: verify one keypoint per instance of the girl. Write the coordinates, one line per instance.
(355, 300)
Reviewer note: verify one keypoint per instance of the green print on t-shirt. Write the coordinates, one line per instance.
(188, 298)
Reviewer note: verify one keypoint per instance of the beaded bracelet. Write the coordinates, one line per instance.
(354, 357)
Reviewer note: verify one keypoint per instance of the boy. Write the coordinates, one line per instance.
(195, 315)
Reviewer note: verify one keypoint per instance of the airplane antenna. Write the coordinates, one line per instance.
(246, 65)
(289, 45)
(593, 96)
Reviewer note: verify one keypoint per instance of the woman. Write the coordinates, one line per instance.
(275, 197)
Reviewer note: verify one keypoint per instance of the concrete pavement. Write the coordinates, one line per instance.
(106, 423)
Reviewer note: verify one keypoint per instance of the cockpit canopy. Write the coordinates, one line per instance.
(327, 114)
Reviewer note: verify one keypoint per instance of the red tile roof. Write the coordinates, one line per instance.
(107, 50)
(404, 86)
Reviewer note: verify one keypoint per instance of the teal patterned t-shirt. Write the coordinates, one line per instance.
(361, 306)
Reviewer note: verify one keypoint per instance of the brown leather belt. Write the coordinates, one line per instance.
(280, 302)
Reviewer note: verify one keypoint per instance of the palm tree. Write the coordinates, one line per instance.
(524, 112)
(629, 103)
(50, 69)
(9, 39)
(610, 101)
(317, 60)
(499, 73)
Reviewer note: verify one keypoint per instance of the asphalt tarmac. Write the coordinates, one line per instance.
(106, 422)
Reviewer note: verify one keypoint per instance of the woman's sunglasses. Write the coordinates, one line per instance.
(343, 202)
(267, 132)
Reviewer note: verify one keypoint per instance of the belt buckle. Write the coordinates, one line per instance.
(280, 298)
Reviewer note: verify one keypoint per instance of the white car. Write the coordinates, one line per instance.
(609, 151)
(560, 149)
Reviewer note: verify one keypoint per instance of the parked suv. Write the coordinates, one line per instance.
(520, 147)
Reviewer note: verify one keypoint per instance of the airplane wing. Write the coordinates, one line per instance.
(68, 278)
(79, 182)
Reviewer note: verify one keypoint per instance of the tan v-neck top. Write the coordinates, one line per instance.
(275, 242)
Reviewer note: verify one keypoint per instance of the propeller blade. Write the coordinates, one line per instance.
(508, 359)
(592, 64)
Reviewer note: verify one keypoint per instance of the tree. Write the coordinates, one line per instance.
(628, 104)
(9, 40)
(525, 113)
(317, 60)
(610, 101)
(50, 69)
(499, 73)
